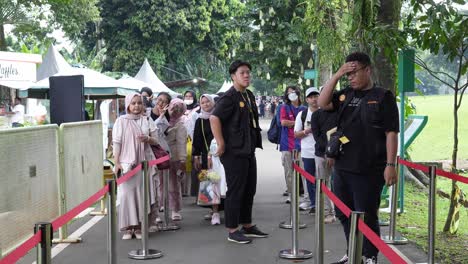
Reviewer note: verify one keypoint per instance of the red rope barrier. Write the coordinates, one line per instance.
(23, 249)
(158, 161)
(391, 255)
(65, 218)
(439, 172)
(369, 233)
(128, 175)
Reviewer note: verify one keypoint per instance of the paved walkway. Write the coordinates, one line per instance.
(197, 242)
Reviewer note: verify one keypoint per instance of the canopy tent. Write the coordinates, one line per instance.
(225, 87)
(132, 83)
(97, 85)
(147, 75)
(52, 63)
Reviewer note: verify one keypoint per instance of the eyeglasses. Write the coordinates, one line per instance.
(353, 73)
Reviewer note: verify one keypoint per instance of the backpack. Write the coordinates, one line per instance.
(274, 131)
(304, 116)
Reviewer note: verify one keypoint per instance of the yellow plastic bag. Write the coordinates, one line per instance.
(188, 161)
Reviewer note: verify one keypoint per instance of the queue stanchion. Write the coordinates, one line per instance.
(295, 252)
(167, 224)
(355, 239)
(393, 238)
(294, 197)
(144, 252)
(44, 248)
(432, 214)
(112, 222)
(319, 220)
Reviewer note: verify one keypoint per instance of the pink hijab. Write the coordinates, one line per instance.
(132, 150)
(176, 110)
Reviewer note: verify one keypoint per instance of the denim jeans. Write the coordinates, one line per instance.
(309, 166)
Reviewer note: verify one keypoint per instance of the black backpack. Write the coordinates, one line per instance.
(274, 132)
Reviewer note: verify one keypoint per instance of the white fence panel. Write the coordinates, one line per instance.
(82, 160)
(28, 181)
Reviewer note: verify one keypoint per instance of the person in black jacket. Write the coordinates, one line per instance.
(236, 129)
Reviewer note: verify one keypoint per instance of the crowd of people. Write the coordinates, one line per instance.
(221, 133)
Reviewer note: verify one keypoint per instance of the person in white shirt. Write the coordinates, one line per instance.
(17, 119)
(303, 131)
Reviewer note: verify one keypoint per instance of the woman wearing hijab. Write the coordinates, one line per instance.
(132, 135)
(202, 137)
(189, 118)
(176, 138)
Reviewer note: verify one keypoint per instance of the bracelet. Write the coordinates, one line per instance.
(390, 164)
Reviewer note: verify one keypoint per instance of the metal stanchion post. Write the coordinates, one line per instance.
(393, 238)
(432, 214)
(294, 197)
(167, 225)
(319, 218)
(112, 222)
(355, 239)
(295, 252)
(44, 249)
(144, 253)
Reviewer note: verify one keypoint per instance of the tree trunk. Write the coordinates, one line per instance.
(3, 46)
(385, 75)
(453, 202)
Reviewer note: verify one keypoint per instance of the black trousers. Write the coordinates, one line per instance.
(241, 178)
(360, 193)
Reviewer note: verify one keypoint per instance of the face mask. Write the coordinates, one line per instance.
(188, 102)
(292, 96)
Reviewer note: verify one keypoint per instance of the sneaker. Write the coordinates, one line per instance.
(153, 229)
(161, 209)
(286, 193)
(208, 216)
(137, 234)
(343, 260)
(329, 219)
(304, 206)
(253, 231)
(127, 235)
(288, 200)
(238, 237)
(372, 260)
(158, 220)
(312, 210)
(215, 219)
(176, 216)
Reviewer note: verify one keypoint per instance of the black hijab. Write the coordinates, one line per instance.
(195, 102)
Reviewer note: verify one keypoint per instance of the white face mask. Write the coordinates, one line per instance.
(188, 101)
(292, 97)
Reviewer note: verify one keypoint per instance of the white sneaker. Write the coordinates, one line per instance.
(304, 206)
(158, 220)
(329, 219)
(137, 234)
(343, 260)
(176, 216)
(370, 260)
(128, 234)
(215, 219)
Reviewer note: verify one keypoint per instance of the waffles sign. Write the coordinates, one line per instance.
(18, 66)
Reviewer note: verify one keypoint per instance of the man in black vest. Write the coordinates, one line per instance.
(235, 127)
(368, 119)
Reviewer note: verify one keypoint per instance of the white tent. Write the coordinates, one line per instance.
(52, 63)
(225, 87)
(147, 75)
(133, 83)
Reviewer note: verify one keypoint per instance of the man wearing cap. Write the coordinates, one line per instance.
(303, 131)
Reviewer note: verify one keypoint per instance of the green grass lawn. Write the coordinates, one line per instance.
(436, 140)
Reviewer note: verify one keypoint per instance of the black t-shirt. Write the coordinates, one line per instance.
(239, 120)
(202, 137)
(321, 122)
(366, 151)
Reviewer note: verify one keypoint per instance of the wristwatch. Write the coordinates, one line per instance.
(390, 164)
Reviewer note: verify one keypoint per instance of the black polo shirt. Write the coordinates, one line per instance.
(366, 152)
(239, 121)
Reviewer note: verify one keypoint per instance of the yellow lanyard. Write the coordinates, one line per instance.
(249, 105)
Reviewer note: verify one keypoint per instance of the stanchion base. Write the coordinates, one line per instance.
(301, 254)
(168, 227)
(397, 240)
(288, 225)
(145, 254)
(384, 223)
(66, 240)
